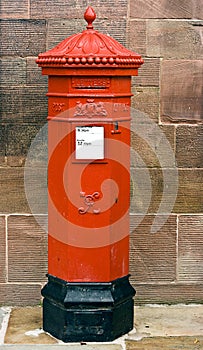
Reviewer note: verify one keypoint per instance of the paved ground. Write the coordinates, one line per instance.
(177, 327)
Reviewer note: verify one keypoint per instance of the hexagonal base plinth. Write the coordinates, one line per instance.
(75, 312)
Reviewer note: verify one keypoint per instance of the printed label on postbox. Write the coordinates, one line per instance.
(89, 142)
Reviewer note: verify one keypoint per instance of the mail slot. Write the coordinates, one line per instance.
(89, 92)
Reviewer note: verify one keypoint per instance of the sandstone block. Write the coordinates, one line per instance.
(153, 187)
(190, 191)
(146, 100)
(151, 148)
(13, 199)
(152, 255)
(17, 294)
(148, 74)
(13, 71)
(136, 36)
(34, 74)
(23, 104)
(19, 138)
(190, 249)
(27, 250)
(174, 293)
(165, 9)
(3, 262)
(14, 9)
(181, 91)
(2, 142)
(174, 39)
(22, 37)
(189, 146)
(71, 9)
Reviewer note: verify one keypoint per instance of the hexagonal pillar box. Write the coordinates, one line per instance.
(88, 296)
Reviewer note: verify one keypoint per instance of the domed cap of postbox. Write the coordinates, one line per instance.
(90, 49)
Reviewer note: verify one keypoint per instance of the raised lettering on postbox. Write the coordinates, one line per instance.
(90, 83)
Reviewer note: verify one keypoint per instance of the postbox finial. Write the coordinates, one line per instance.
(89, 17)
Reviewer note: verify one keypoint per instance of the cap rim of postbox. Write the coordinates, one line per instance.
(89, 49)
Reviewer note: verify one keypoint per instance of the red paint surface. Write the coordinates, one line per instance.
(75, 264)
(89, 73)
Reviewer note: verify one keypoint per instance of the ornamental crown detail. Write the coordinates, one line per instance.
(90, 109)
(90, 48)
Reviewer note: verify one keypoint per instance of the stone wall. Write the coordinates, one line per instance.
(166, 266)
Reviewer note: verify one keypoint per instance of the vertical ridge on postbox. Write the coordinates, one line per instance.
(89, 92)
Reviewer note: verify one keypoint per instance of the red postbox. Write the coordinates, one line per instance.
(88, 296)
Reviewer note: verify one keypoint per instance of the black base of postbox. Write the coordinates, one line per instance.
(90, 311)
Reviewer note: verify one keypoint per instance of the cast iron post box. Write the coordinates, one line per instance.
(88, 296)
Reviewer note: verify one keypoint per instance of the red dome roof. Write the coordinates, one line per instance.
(90, 48)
